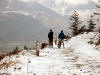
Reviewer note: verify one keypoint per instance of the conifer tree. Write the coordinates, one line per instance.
(82, 29)
(74, 18)
(98, 14)
(99, 29)
(91, 24)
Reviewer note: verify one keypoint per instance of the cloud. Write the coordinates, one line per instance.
(18, 12)
(60, 6)
(22, 12)
(27, 0)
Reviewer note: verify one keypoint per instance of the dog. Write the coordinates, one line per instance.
(44, 45)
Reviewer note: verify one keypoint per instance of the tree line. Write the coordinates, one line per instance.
(75, 23)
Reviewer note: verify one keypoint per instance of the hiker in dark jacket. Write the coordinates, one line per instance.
(50, 36)
(61, 39)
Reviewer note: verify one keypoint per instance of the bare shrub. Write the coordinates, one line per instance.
(15, 51)
(34, 73)
(2, 56)
(25, 47)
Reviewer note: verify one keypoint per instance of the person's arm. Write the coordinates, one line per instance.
(59, 36)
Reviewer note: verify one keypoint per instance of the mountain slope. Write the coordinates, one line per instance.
(17, 27)
(24, 15)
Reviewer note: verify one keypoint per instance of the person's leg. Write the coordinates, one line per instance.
(63, 43)
(49, 43)
(52, 43)
(55, 41)
(59, 43)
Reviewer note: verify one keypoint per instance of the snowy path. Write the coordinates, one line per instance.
(77, 58)
(55, 62)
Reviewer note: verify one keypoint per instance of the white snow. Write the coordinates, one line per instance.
(79, 57)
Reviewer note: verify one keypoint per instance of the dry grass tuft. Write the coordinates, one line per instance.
(98, 66)
(7, 64)
(75, 58)
(79, 65)
(5, 74)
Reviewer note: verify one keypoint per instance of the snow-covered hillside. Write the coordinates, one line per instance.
(79, 57)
